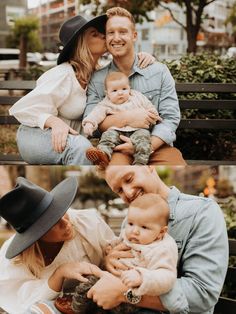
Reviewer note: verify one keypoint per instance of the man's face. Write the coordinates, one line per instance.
(129, 182)
(120, 36)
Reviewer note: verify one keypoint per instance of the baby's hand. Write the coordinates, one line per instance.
(131, 278)
(88, 129)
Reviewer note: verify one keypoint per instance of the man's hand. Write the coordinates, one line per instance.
(112, 263)
(131, 278)
(125, 148)
(141, 118)
(60, 131)
(108, 292)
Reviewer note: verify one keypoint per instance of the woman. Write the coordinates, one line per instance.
(49, 245)
(50, 115)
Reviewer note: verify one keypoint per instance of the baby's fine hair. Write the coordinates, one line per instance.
(115, 76)
(151, 200)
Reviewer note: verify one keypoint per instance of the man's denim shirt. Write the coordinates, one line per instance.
(156, 83)
(198, 227)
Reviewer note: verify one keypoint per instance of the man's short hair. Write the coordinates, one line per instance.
(118, 11)
(115, 76)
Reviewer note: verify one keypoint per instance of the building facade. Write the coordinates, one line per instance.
(9, 11)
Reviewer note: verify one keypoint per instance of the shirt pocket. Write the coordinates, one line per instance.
(153, 96)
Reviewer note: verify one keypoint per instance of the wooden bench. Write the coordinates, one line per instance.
(227, 305)
(203, 124)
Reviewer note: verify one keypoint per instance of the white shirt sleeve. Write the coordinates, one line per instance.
(19, 288)
(44, 100)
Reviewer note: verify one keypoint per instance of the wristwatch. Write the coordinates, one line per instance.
(131, 297)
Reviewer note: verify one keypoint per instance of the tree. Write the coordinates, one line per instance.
(232, 20)
(139, 8)
(25, 36)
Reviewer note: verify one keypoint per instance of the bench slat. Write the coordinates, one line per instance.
(216, 124)
(9, 100)
(231, 275)
(232, 247)
(225, 306)
(206, 87)
(17, 85)
(207, 104)
(8, 120)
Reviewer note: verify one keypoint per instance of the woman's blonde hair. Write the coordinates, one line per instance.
(82, 61)
(32, 258)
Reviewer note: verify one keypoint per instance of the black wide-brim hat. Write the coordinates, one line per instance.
(33, 211)
(72, 29)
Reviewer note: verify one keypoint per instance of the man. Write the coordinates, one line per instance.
(155, 82)
(198, 227)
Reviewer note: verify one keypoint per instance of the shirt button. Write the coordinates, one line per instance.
(150, 96)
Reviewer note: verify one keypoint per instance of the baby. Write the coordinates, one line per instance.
(119, 97)
(152, 269)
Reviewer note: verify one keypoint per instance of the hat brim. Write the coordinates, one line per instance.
(63, 195)
(98, 22)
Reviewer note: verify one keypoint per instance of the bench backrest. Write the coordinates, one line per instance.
(211, 104)
(227, 305)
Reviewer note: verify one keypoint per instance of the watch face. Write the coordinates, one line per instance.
(132, 298)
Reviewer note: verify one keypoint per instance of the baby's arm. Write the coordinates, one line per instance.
(131, 278)
(96, 116)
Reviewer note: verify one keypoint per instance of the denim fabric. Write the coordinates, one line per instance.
(156, 83)
(35, 147)
(198, 227)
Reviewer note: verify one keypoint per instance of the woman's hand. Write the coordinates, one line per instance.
(72, 270)
(145, 59)
(111, 261)
(108, 291)
(60, 131)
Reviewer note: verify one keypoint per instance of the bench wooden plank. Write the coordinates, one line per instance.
(17, 85)
(208, 104)
(232, 247)
(9, 100)
(225, 306)
(216, 124)
(206, 87)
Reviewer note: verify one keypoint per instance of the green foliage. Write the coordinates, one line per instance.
(232, 18)
(32, 73)
(93, 187)
(205, 68)
(28, 27)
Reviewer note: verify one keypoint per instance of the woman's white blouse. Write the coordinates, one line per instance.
(57, 93)
(19, 289)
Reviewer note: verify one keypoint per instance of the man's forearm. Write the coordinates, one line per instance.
(156, 142)
(118, 120)
(151, 302)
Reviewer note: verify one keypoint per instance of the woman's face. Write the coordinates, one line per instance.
(62, 231)
(95, 41)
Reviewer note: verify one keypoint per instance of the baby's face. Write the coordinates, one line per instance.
(143, 226)
(118, 91)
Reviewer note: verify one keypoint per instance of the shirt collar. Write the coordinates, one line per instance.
(172, 201)
(135, 68)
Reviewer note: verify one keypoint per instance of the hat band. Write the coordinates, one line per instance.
(36, 213)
